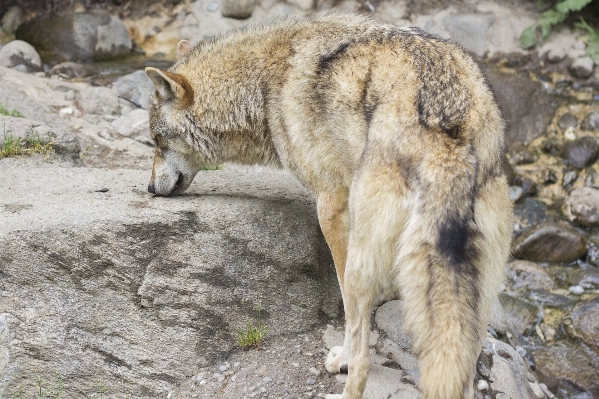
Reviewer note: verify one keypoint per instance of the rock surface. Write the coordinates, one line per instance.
(81, 36)
(583, 323)
(582, 206)
(121, 284)
(237, 8)
(21, 56)
(550, 242)
(581, 152)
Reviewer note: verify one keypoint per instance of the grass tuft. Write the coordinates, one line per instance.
(252, 335)
(4, 111)
(31, 144)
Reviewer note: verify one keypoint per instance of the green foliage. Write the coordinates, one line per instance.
(53, 391)
(33, 143)
(253, 335)
(556, 15)
(218, 167)
(592, 40)
(4, 111)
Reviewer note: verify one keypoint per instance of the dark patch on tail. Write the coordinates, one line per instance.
(455, 242)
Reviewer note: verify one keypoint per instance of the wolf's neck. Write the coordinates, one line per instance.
(231, 83)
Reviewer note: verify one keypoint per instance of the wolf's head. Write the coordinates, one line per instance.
(175, 161)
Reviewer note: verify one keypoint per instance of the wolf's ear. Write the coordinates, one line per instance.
(171, 86)
(183, 48)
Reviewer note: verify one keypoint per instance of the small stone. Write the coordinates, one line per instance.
(569, 178)
(567, 121)
(482, 385)
(582, 206)
(314, 371)
(570, 134)
(295, 364)
(581, 152)
(576, 289)
(531, 376)
(556, 54)
(538, 391)
(223, 368)
(593, 251)
(583, 323)
(310, 381)
(591, 122)
(515, 193)
(547, 177)
(64, 112)
(519, 154)
(582, 67)
(547, 392)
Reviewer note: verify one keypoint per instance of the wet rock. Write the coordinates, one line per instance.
(133, 124)
(20, 55)
(566, 369)
(583, 323)
(566, 121)
(389, 318)
(509, 374)
(547, 299)
(591, 122)
(135, 87)
(586, 278)
(526, 276)
(519, 154)
(237, 8)
(582, 206)
(530, 212)
(525, 119)
(581, 152)
(529, 187)
(520, 314)
(470, 30)
(11, 19)
(550, 242)
(70, 70)
(582, 67)
(82, 36)
(569, 178)
(593, 251)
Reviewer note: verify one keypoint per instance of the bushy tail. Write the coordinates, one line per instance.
(448, 269)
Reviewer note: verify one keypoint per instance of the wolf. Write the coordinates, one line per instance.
(399, 138)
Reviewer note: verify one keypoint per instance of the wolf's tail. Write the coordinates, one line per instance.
(453, 254)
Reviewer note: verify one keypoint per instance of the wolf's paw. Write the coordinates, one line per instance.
(335, 362)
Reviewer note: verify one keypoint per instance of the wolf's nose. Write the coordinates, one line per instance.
(151, 188)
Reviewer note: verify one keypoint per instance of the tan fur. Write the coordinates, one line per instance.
(399, 138)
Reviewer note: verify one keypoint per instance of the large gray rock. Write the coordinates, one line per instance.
(21, 56)
(525, 119)
(77, 37)
(470, 30)
(135, 87)
(583, 323)
(120, 285)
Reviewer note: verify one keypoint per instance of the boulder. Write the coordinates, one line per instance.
(582, 67)
(84, 36)
(135, 87)
(120, 285)
(582, 206)
(583, 323)
(240, 9)
(549, 242)
(20, 55)
(11, 19)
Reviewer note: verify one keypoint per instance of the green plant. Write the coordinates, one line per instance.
(252, 335)
(55, 391)
(4, 111)
(218, 167)
(557, 15)
(32, 143)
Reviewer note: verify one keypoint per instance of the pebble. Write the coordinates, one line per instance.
(310, 381)
(581, 152)
(569, 178)
(295, 364)
(314, 371)
(582, 67)
(567, 121)
(582, 206)
(570, 134)
(515, 193)
(591, 122)
(538, 391)
(223, 368)
(482, 385)
(576, 290)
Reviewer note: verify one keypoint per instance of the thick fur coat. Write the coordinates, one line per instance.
(399, 138)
